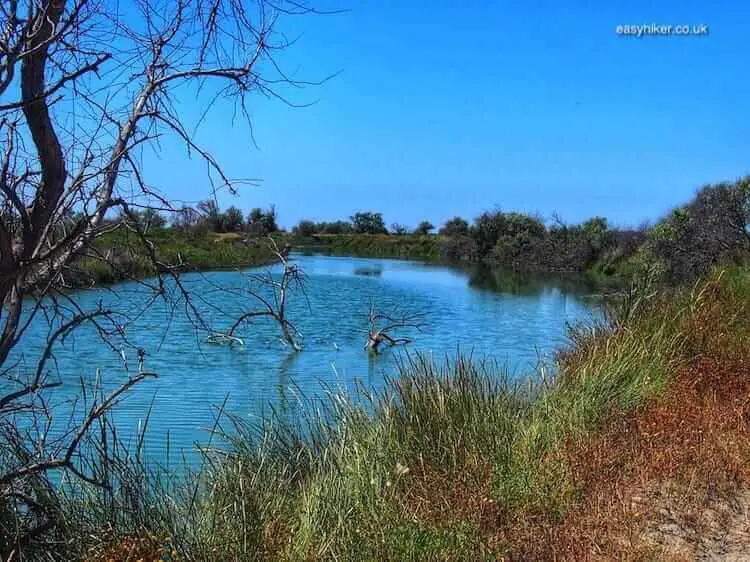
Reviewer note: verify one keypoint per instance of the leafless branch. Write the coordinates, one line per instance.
(381, 323)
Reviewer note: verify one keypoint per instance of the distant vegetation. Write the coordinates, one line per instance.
(713, 228)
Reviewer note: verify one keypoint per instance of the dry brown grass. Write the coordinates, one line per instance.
(670, 482)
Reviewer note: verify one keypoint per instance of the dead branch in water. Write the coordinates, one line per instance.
(274, 305)
(381, 323)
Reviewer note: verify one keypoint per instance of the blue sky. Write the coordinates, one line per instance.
(445, 108)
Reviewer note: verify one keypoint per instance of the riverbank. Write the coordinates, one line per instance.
(638, 448)
(122, 255)
(414, 247)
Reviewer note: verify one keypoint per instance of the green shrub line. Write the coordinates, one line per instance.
(714, 226)
(711, 229)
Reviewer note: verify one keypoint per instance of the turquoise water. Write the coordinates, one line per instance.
(513, 321)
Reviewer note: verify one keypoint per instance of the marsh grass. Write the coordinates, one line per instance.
(449, 461)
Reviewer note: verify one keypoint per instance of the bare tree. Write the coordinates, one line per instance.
(381, 324)
(87, 86)
(272, 292)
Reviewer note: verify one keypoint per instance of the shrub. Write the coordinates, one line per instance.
(369, 223)
(455, 227)
(424, 228)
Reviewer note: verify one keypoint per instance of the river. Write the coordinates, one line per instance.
(511, 320)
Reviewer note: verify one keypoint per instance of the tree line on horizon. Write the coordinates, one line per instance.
(712, 228)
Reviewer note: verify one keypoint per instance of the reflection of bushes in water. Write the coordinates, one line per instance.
(522, 283)
(369, 270)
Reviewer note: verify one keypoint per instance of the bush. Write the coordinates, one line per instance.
(713, 228)
(455, 227)
(424, 228)
(305, 228)
(369, 223)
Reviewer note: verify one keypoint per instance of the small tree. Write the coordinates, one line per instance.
(185, 219)
(233, 219)
(424, 228)
(369, 223)
(262, 223)
(305, 228)
(487, 229)
(269, 220)
(455, 227)
(211, 215)
(152, 218)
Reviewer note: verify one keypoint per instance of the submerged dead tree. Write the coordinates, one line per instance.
(272, 292)
(382, 324)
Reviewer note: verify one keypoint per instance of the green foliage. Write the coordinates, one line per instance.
(424, 228)
(262, 223)
(210, 214)
(233, 220)
(145, 220)
(195, 250)
(306, 228)
(455, 227)
(399, 229)
(381, 245)
(369, 223)
(336, 227)
(713, 228)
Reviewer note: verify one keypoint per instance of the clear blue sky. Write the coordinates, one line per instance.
(445, 108)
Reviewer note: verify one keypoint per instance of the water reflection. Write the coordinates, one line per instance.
(497, 280)
(369, 271)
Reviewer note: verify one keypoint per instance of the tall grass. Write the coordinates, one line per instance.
(441, 464)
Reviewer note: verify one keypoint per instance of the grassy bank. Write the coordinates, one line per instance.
(121, 255)
(453, 462)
